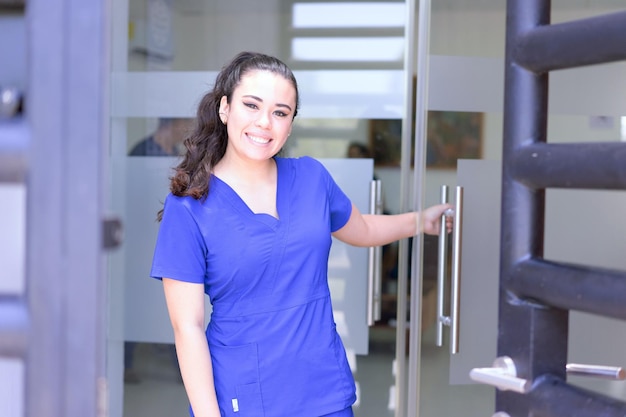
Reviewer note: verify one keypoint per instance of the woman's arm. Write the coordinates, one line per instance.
(185, 304)
(382, 229)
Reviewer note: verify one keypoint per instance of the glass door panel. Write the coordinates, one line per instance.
(466, 76)
(166, 55)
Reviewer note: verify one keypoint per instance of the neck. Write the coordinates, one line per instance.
(245, 171)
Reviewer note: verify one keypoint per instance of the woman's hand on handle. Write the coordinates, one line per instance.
(429, 219)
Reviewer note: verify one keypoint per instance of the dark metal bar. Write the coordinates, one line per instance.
(536, 295)
(552, 397)
(535, 338)
(536, 345)
(572, 287)
(542, 165)
(595, 40)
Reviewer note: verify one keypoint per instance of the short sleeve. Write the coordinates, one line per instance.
(180, 251)
(339, 204)
(340, 208)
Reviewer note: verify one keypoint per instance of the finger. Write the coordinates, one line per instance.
(448, 212)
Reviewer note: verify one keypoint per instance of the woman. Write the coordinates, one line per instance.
(253, 231)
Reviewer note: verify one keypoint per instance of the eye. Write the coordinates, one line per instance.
(250, 105)
(280, 113)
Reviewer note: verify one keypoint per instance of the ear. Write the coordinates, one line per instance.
(223, 106)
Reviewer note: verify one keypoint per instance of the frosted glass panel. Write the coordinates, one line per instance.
(347, 265)
(158, 94)
(147, 185)
(457, 84)
(323, 94)
(477, 84)
(480, 267)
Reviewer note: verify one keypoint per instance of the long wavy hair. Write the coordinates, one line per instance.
(207, 144)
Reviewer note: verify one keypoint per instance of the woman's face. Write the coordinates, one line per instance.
(259, 116)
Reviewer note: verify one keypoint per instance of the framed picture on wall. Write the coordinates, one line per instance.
(450, 136)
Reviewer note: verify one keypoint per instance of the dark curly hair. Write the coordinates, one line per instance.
(207, 144)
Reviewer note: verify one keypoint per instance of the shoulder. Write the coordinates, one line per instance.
(302, 163)
(178, 204)
(176, 200)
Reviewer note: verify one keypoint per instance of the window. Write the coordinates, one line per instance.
(345, 35)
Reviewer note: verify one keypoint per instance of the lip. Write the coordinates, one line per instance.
(259, 139)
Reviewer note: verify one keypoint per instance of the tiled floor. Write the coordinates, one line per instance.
(160, 392)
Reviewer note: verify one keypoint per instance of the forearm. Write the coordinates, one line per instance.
(380, 229)
(383, 229)
(197, 371)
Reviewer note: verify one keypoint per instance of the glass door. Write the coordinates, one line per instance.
(464, 146)
(349, 62)
(461, 111)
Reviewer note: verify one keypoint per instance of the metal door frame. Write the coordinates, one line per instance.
(57, 326)
(537, 294)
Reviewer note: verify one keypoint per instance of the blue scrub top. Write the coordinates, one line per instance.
(273, 341)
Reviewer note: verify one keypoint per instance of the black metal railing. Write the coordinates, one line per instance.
(536, 295)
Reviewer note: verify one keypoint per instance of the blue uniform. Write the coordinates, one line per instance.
(274, 346)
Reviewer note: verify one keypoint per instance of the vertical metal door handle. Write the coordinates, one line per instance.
(455, 294)
(374, 275)
(442, 270)
(455, 307)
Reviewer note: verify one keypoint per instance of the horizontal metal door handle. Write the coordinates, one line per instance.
(503, 375)
(599, 371)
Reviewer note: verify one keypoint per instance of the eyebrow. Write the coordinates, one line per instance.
(261, 100)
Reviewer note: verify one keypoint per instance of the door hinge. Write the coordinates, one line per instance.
(112, 233)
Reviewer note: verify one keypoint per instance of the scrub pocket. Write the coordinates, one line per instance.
(236, 375)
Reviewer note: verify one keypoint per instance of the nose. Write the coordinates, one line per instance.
(263, 121)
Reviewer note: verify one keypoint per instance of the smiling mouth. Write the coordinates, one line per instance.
(259, 140)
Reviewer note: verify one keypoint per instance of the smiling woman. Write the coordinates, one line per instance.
(253, 232)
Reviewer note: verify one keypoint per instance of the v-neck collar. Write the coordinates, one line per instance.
(282, 201)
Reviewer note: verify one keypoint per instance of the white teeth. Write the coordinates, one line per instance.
(257, 139)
